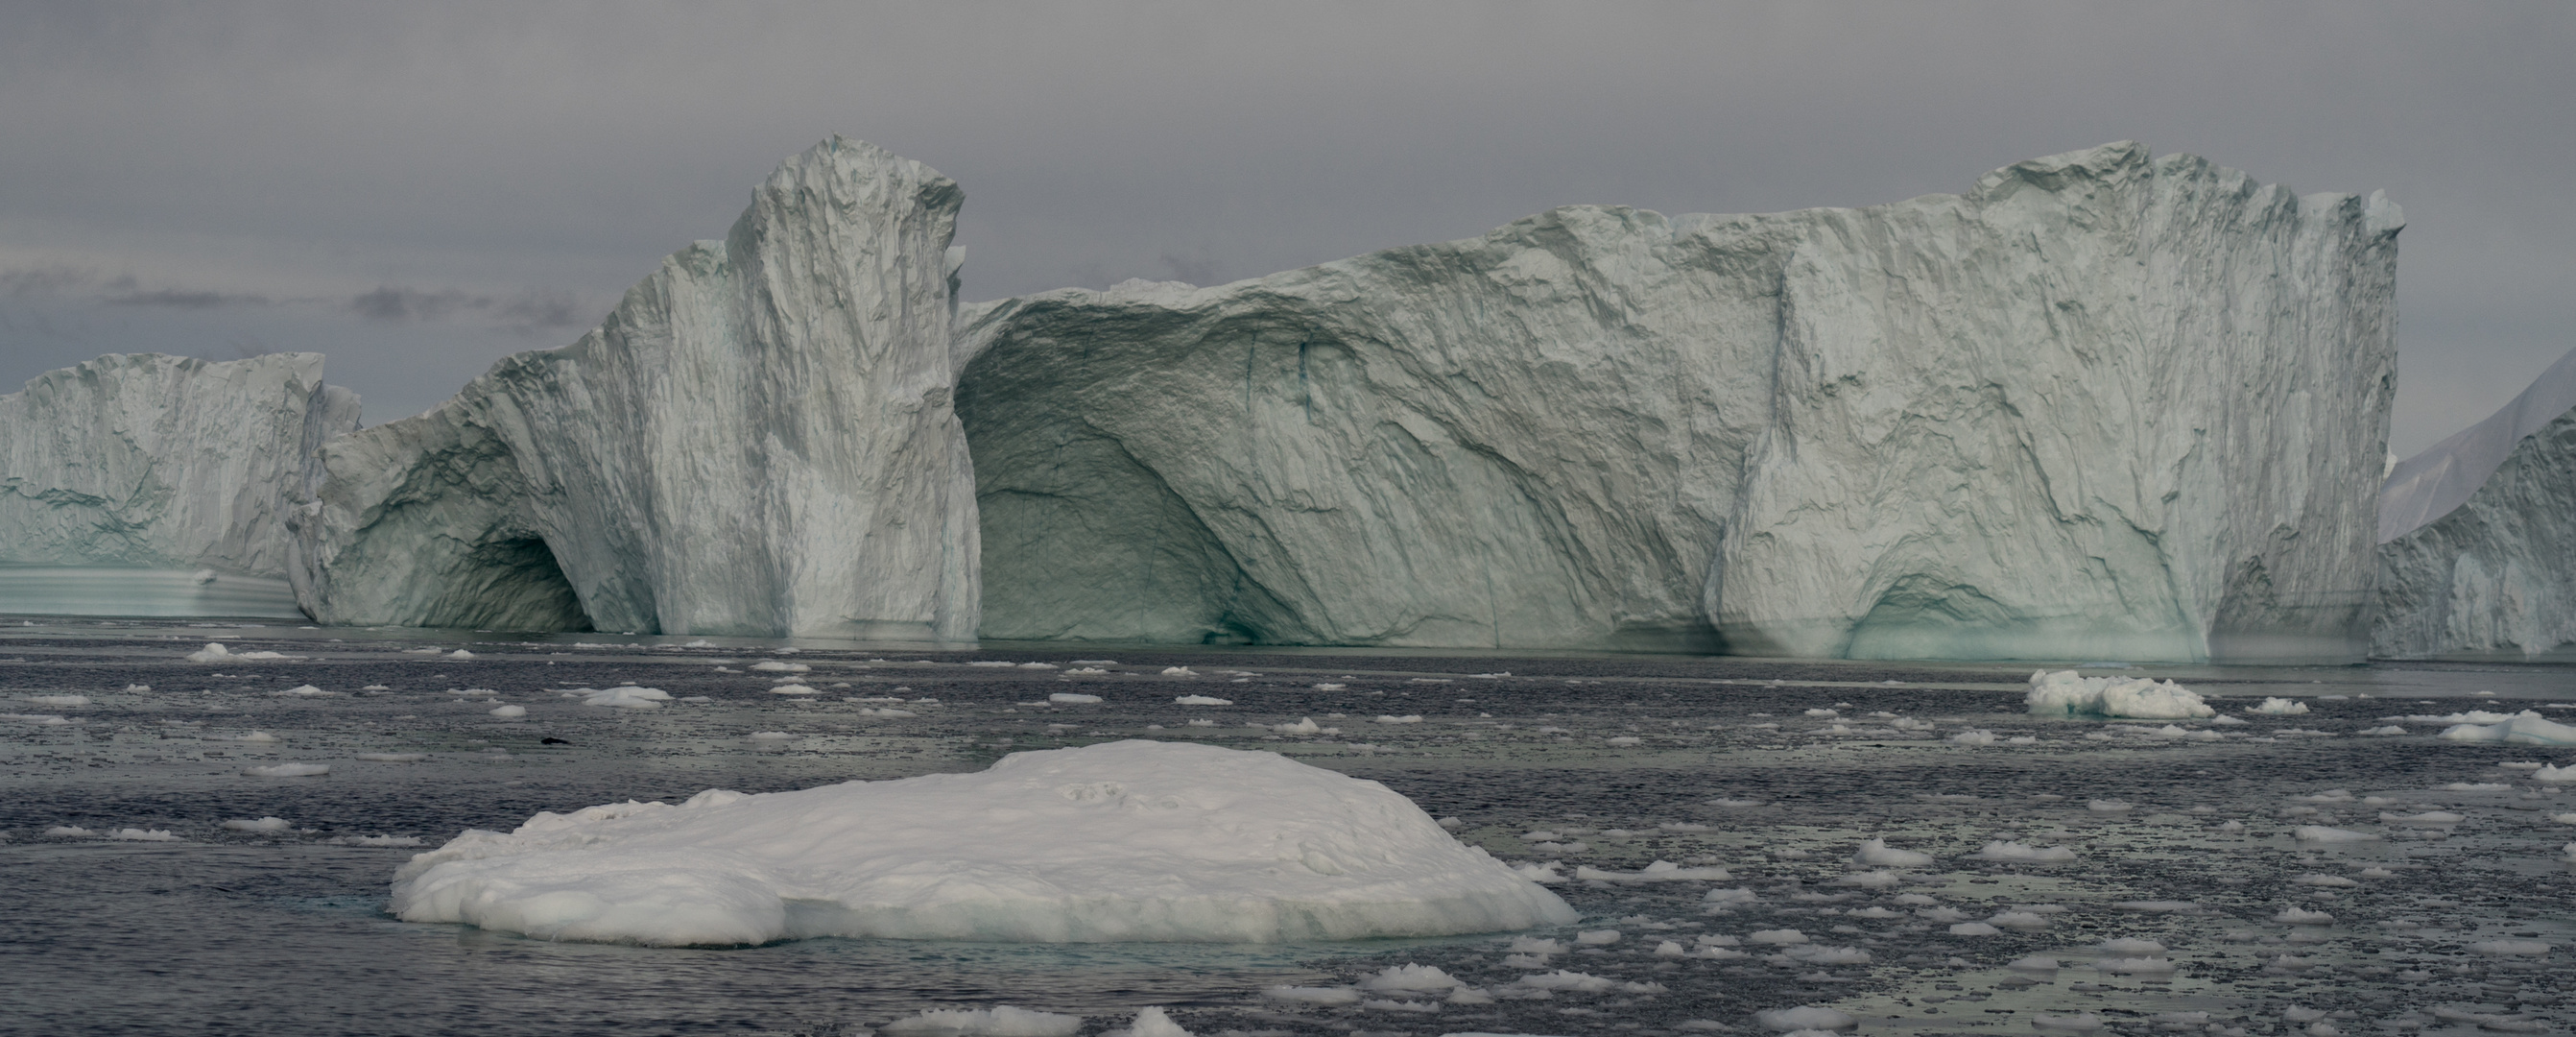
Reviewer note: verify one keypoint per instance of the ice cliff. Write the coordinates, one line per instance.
(164, 462)
(758, 440)
(2477, 552)
(2102, 404)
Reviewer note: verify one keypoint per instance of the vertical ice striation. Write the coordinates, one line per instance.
(2100, 406)
(164, 462)
(759, 440)
(2103, 404)
(2477, 552)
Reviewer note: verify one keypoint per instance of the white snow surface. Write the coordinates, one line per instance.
(2064, 693)
(1134, 840)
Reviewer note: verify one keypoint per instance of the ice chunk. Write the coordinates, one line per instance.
(1313, 995)
(59, 700)
(1002, 1021)
(2279, 707)
(2525, 728)
(2005, 850)
(393, 757)
(1201, 700)
(626, 696)
(1810, 1017)
(143, 835)
(2064, 693)
(1877, 853)
(289, 770)
(265, 824)
(509, 712)
(1410, 977)
(1119, 841)
(2509, 947)
(1070, 698)
(2323, 834)
(1659, 871)
(1151, 1021)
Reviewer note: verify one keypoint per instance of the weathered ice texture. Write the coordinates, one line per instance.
(164, 462)
(2102, 404)
(2478, 552)
(757, 441)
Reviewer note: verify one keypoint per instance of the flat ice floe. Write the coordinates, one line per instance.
(1126, 840)
(2065, 694)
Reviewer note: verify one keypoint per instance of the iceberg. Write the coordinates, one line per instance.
(2476, 532)
(149, 485)
(2102, 405)
(2067, 694)
(757, 441)
(1121, 841)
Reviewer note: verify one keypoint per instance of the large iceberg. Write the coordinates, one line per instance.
(160, 485)
(758, 441)
(2477, 552)
(1118, 841)
(2101, 405)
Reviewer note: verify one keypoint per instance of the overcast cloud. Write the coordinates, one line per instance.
(417, 190)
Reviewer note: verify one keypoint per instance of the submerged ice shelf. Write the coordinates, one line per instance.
(1135, 840)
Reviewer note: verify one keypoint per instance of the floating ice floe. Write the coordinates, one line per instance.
(1179, 671)
(1201, 700)
(1069, 698)
(2064, 693)
(2279, 707)
(2003, 850)
(2555, 775)
(214, 652)
(288, 770)
(2525, 728)
(59, 700)
(143, 835)
(1119, 841)
(792, 688)
(393, 757)
(1810, 1017)
(509, 712)
(774, 666)
(38, 719)
(2323, 834)
(265, 824)
(1876, 853)
(1659, 871)
(625, 696)
(1002, 1021)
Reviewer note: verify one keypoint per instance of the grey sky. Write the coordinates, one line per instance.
(417, 190)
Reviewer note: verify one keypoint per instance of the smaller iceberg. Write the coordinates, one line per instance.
(2525, 728)
(1123, 841)
(2065, 694)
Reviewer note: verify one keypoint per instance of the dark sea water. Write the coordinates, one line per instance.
(1625, 760)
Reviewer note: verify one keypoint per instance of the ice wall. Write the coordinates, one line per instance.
(2478, 535)
(2103, 404)
(164, 462)
(757, 441)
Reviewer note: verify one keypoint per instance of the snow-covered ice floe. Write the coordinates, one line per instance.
(2066, 694)
(1125, 840)
(2525, 728)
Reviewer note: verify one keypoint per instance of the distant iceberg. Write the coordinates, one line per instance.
(2477, 552)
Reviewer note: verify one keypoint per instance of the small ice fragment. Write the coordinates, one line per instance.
(1304, 726)
(2300, 916)
(1399, 720)
(2082, 1022)
(265, 824)
(2505, 947)
(2034, 963)
(1974, 736)
(775, 666)
(771, 736)
(2323, 834)
(2108, 806)
(143, 835)
(1410, 977)
(1809, 1017)
(2005, 850)
(2158, 906)
(393, 757)
(1596, 937)
(2064, 693)
(59, 700)
(1314, 995)
(460, 654)
(1150, 1022)
(1037, 666)
(1071, 698)
(1002, 1021)
(2133, 947)
(1179, 671)
(1331, 687)
(1776, 936)
(2279, 707)
(625, 697)
(69, 832)
(288, 770)
(1201, 700)
(2136, 966)
(793, 689)
(1974, 929)
(510, 712)
(1877, 853)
